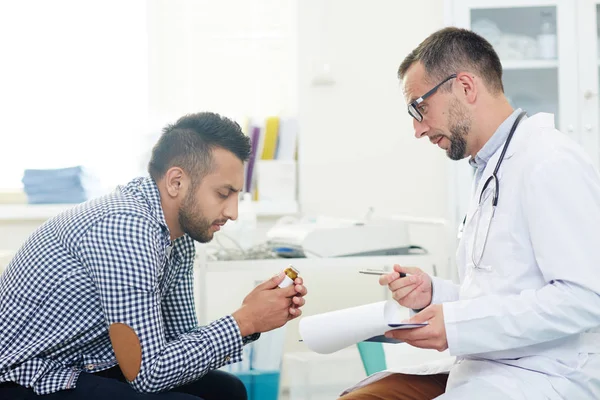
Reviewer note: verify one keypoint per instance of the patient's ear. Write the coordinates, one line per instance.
(127, 349)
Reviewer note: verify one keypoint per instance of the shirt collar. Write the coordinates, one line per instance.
(495, 142)
(183, 247)
(150, 191)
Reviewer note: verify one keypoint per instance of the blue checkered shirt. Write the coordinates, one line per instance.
(109, 260)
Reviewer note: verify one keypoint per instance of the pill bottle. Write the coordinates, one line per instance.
(291, 274)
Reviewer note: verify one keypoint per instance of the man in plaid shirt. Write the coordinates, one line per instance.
(98, 302)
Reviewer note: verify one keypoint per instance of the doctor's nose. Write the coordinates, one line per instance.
(420, 128)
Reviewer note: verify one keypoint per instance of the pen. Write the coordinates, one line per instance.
(377, 272)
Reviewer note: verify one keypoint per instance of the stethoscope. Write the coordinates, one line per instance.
(496, 184)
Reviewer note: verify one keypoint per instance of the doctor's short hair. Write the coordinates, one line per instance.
(188, 144)
(453, 50)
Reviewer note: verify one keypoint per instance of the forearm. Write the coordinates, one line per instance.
(496, 323)
(191, 356)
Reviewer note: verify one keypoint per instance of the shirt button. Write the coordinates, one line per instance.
(90, 366)
(227, 358)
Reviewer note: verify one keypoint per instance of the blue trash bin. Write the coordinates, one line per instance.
(260, 385)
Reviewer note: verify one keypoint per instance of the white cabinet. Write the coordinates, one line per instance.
(549, 51)
(588, 43)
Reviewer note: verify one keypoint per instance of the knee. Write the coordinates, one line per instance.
(233, 388)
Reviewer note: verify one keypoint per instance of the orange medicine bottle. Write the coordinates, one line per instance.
(291, 274)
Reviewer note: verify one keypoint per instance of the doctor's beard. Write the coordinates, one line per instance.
(459, 122)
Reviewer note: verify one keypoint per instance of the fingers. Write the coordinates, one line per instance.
(398, 272)
(431, 336)
(294, 290)
(289, 291)
(272, 283)
(298, 301)
(402, 282)
(404, 286)
(424, 316)
(294, 313)
(401, 293)
(301, 290)
(407, 270)
(388, 278)
(408, 335)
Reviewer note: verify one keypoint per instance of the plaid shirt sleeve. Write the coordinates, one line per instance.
(178, 307)
(123, 255)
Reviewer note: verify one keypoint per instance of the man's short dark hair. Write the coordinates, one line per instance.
(188, 144)
(452, 50)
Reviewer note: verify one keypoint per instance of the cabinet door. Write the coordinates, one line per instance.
(536, 44)
(588, 24)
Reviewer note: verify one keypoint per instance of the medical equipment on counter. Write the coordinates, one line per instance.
(333, 237)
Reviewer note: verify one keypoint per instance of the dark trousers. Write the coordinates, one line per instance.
(111, 385)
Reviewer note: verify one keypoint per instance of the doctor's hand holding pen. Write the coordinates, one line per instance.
(412, 290)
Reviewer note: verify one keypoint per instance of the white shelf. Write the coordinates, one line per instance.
(31, 212)
(42, 212)
(529, 64)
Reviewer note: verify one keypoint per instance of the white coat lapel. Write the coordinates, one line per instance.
(487, 172)
(540, 120)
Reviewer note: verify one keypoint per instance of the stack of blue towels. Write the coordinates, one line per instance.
(55, 186)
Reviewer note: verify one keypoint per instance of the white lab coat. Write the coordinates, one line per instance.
(525, 324)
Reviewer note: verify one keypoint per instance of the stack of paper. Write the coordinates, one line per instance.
(333, 331)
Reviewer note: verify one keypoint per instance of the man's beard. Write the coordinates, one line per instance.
(460, 126)
(193, 222)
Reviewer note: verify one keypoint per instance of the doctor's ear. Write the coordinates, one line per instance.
(469, 86)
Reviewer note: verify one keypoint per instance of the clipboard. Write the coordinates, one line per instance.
(383, 339)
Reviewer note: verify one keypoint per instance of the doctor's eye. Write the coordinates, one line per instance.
(223, 196)
(423, 108)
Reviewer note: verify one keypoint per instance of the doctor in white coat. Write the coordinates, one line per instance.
(524, 323)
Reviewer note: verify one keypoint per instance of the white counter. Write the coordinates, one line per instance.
(31, 212)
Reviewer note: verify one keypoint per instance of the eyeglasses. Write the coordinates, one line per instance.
(413, 110)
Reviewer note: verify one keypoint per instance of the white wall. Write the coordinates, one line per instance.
(72, 73)
(357, 144)
(228, 56)
(357, 148)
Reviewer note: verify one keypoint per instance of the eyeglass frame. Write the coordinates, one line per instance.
(413, 106)
(495, 194)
